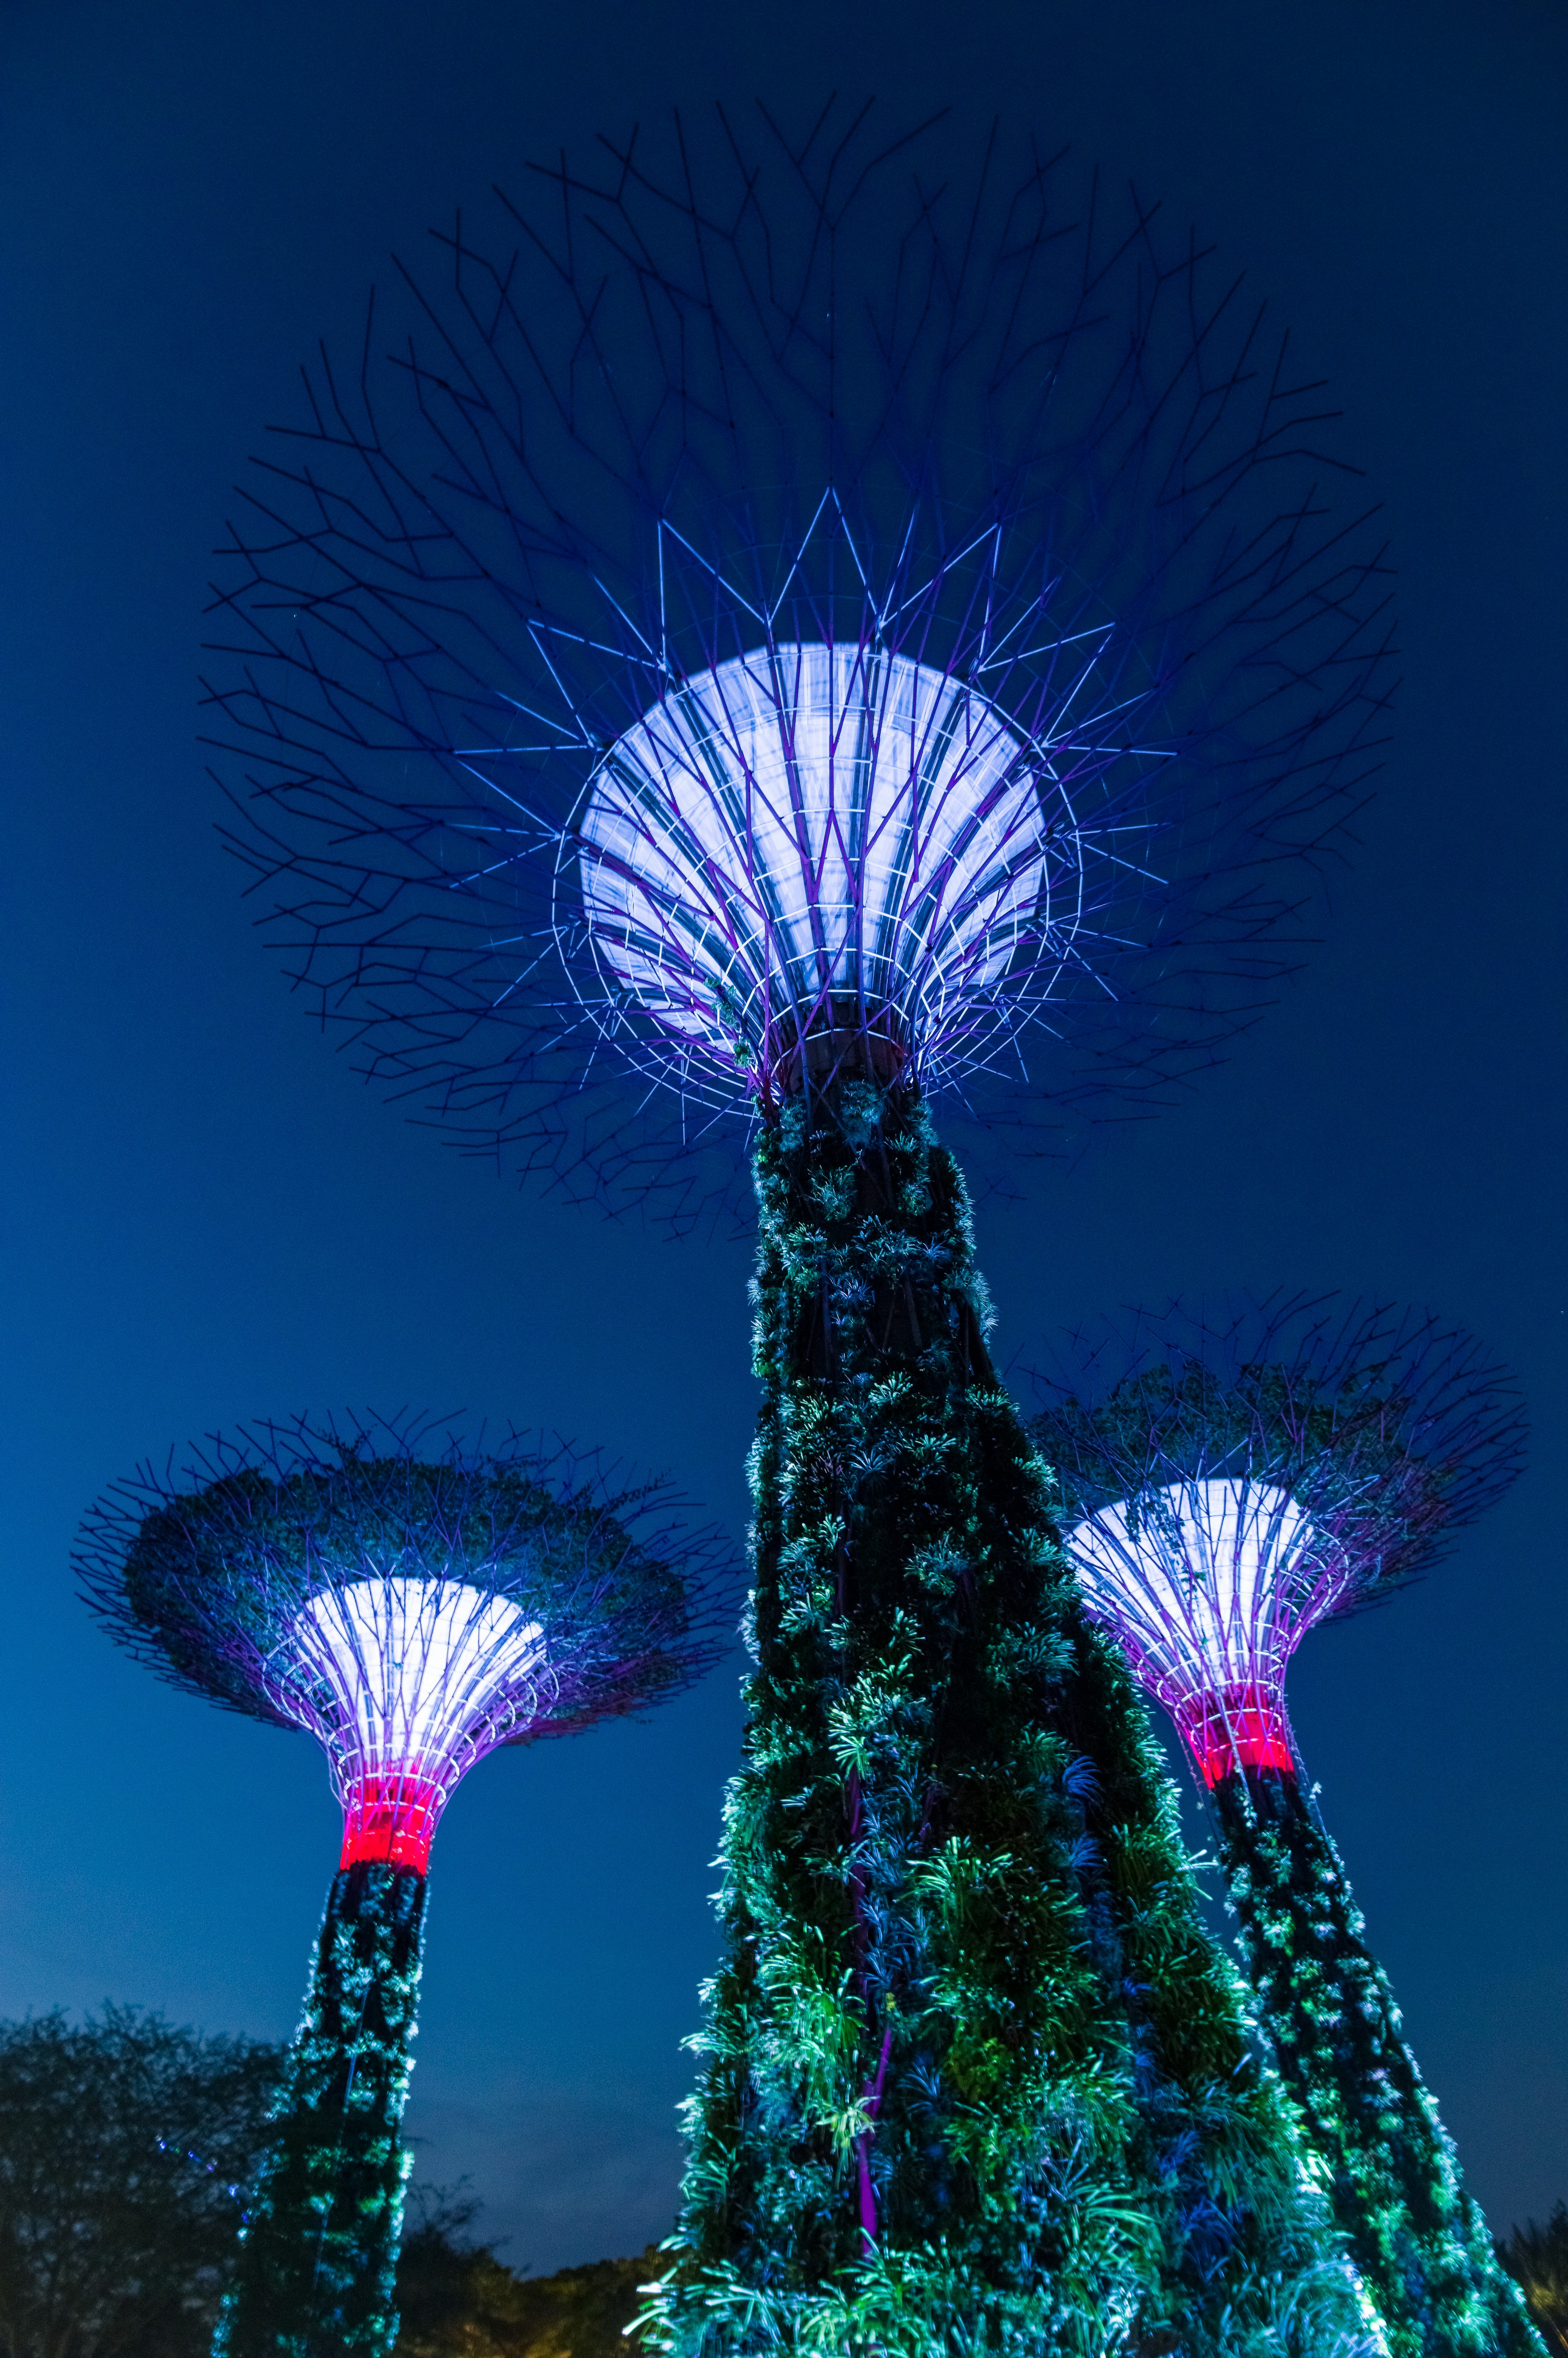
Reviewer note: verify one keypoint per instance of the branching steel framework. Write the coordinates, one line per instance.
(770, 589)
(413, 1605)
(1229, 1480)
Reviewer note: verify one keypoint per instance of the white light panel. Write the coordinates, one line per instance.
(1209, 1584)
(418, 1677)
(816, 822)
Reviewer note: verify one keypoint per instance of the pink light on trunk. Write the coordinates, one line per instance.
(390, 1817)
(1240, 1728)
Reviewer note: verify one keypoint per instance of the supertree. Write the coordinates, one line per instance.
(790, 630)
(413, 1606)
(1230, 1478)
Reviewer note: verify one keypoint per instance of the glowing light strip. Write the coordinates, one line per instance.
(815, 824)
(1199, 1582)
(407, 1683)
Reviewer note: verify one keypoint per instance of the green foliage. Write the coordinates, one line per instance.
(975, 2078)
(1416, 2235)
(123, 2147)
(1537, 2257)
(318, 2262)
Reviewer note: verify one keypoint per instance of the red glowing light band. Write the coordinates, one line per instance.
(391, 1818)
(1240, 1727)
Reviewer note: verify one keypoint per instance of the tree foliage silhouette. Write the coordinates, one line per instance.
(124, 2148)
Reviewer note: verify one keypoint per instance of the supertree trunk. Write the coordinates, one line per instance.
(1417, 2237)
(977, 2079)
(318, 2262)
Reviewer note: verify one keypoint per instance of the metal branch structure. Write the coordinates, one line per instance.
(1231, 1478)
(412, 1606)
(774, 636)
(766, 592)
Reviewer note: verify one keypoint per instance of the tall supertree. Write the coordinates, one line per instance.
(1229, 1480)
(412, 1609)
(783, 634)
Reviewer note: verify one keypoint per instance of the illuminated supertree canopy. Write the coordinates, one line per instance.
(412, 1608)
(1229, 1480)
(768, 591)
(777, 635)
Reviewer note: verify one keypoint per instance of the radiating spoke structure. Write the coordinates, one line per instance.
(407, 1683)
(412, 1611)
(766, 586)
(1202, 1582)
(817, 841)
(1229, 1480)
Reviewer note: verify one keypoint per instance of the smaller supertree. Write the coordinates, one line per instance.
(412, 1607)
(1227, 1483)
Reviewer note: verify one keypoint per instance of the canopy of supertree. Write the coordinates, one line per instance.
(771, 589)
(1230, 1477)
(413, 1605)
(411, 1614)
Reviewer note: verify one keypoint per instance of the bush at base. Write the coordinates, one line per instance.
(459, 2301)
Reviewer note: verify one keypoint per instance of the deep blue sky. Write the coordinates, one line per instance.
(205, 1218)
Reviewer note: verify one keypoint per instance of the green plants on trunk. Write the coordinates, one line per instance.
(975, 2077)
(1419, 2240)
(318, 2252)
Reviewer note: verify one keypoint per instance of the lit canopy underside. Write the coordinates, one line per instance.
(407, 1683)
(823, 839)
(1209, 1586)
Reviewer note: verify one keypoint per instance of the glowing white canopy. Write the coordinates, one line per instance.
(406, 1682)
(810, 828)
(1207, 1583)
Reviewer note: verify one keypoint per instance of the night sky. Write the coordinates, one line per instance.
(207, 1218)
